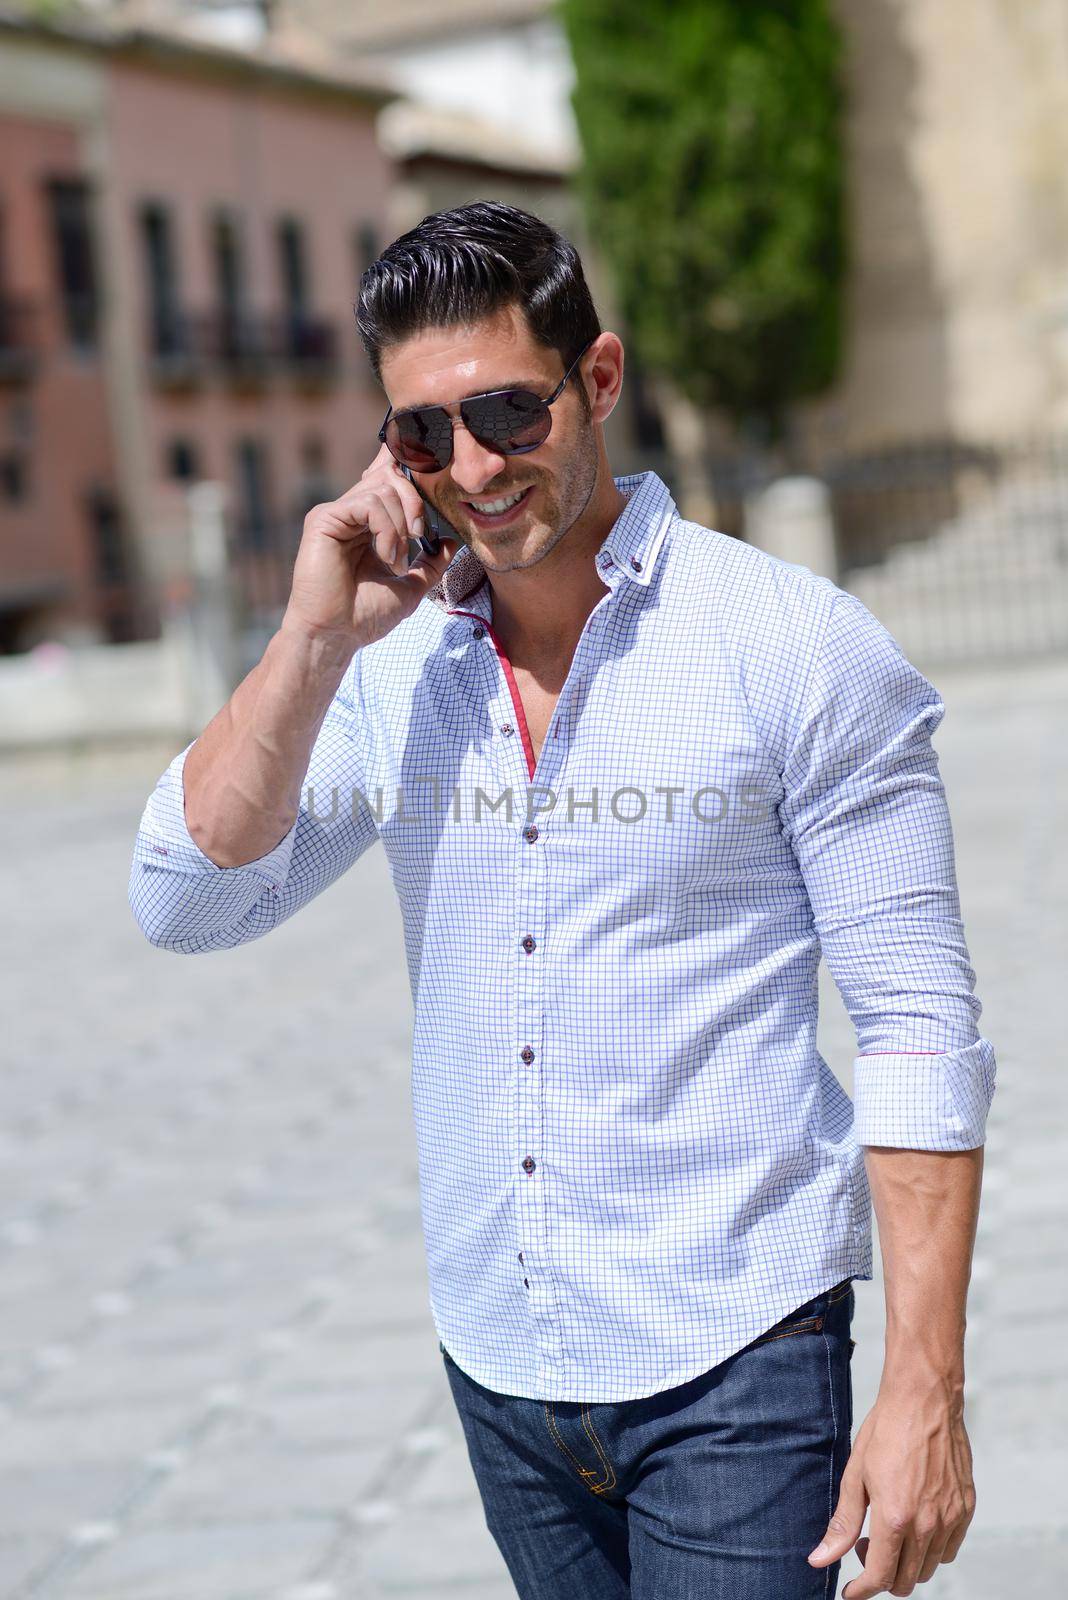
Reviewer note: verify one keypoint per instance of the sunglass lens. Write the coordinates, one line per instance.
(421, 440)
(513, 421)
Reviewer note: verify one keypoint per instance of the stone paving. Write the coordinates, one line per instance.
(219, 1377)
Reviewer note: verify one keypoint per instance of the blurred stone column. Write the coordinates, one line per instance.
(686, 431)
(214, 604)
(200, 622)
(792, 519)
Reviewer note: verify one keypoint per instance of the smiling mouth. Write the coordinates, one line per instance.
(498, 510)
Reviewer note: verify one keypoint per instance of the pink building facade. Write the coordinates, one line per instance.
(230, 204)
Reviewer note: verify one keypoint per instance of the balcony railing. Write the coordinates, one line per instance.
(240, 346)
(19, 352)
(246, 348)
(309, 347)
(177, 349)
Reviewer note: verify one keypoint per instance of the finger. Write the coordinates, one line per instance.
(954, 1541)
(389, 543)
(406, 504)
(389, 535)
(383, 476)
(909, 1563)
(880, 1565)
(404, 510)
(411, 499)
(396, 552)
(426, 571)
(931, 1560)
(843, 1530)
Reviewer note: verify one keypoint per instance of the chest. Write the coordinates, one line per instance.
(538, 697)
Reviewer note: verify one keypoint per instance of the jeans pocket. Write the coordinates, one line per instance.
(807, 1318)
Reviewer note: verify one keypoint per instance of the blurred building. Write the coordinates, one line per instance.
(182, 228)
(957, 139)
(483, 112)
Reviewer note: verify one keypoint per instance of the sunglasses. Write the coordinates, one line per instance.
(510, 422)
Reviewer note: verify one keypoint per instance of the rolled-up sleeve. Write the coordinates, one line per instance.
(865, 810)
(183, 901)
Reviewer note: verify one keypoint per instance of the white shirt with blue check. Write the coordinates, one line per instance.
(632, 1157)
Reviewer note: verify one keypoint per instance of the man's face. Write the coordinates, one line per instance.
(557, 479)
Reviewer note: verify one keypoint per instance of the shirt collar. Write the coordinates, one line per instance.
(630, 548)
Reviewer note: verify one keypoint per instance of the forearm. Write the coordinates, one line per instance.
(243, 775)
(927, 1204)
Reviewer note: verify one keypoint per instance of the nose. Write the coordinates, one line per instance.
(473, 466)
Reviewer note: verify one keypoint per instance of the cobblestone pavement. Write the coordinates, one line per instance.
(219, 1377)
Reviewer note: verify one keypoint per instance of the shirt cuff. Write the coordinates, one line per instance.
(924, 1102)
(164, 841)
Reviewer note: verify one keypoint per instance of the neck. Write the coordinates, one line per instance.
(539, 611)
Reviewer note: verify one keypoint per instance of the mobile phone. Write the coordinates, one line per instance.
(434, 525)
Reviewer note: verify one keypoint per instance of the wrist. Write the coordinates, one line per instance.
(327, 648)
(937, 1376)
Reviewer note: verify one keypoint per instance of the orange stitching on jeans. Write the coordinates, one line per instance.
(551, 1419)
(583, 1472)
(610, 1480)
(834, 1445)
(810, 1325)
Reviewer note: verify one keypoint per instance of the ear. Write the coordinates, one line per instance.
(602, 373)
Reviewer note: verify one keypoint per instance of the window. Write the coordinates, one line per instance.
(253, 496)
(226, 248)
(293, 267)
(105, 517)
(366, 247)
(315, 484)
(14, 477)
(313, 456)
(158, 241)
(71, 222)
(229, 284)
(183, 461)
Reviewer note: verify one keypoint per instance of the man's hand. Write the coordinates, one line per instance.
(912, 1463)
(351, 580)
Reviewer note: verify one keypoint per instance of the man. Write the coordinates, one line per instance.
(631, 776)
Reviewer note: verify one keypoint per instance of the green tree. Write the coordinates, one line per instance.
(52, 10)
(712, 180)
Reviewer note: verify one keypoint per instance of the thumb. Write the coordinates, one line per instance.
(843, 1530)
(426, 571)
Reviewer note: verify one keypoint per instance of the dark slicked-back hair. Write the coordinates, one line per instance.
(460, 266)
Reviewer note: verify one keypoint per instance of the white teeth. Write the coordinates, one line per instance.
(493, 508)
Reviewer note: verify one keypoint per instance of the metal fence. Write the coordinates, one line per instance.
(961, 550)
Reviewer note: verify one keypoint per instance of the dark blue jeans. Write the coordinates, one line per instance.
(714, 1490)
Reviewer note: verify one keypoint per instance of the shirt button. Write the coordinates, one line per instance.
(477, 631)
(526, 1282)
(635, 563)
(529, 1163)
(520, 1255)
(530, 834)
(529, 943)
(506, 727)
(526, 1054)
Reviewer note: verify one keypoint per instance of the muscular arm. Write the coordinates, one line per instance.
(226, 849)
(243, 775)
(927, 1205)
(911, 1460)
(866, 810)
